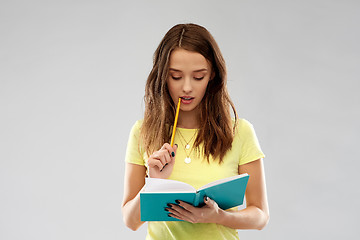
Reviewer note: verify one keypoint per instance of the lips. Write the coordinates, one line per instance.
(186, 99)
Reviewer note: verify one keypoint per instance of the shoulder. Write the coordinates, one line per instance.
(137, 125)
(135, 129)
(242, 124)
(243, 128)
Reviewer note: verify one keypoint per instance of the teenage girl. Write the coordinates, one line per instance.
(209, 143)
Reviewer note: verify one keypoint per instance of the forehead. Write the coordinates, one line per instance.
(187, 60)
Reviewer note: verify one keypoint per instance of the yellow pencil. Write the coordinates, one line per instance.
(174, 129)
(175, 123)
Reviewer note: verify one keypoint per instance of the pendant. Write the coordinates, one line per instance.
(187, 160)
(187, 146)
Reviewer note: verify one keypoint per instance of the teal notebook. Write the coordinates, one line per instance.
(227, 193)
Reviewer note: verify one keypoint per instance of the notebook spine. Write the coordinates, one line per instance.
(197, 199)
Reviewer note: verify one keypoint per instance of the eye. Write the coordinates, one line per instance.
(198, 78)
(175, 78)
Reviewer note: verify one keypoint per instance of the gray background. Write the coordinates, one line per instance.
(72, 76)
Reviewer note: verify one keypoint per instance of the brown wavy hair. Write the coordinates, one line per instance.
(217, 128)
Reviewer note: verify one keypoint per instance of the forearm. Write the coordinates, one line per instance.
(251, 217)
(131, 213)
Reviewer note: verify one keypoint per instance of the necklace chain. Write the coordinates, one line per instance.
(187, 142)
(187, 146)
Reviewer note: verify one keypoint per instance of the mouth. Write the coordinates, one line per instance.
(186, 99)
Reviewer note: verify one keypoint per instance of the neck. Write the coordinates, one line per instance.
(188, 120)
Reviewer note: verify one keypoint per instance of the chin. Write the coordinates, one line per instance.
(188, 108)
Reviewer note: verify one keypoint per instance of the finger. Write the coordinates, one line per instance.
(186, 206)
(165, 146)
(175, 216)
(185, 210)
(182, 214)
(154, 161)
(170, 149)
(163, 167)
(167, 156)
(158, 156)
(181, 217)
(175, 147)
(157, 164)
(164, 157)
(209, 202)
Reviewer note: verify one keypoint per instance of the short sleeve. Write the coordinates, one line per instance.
(133, 150)
(248, 141)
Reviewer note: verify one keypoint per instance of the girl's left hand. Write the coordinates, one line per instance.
(187, 212)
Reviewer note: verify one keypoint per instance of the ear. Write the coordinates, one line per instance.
(212, 75)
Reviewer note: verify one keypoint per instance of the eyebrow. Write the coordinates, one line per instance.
(177, 70)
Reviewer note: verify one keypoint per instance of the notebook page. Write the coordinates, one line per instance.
(166, 185)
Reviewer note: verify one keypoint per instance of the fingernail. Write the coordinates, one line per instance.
(169, 205)
(169, 215)
(173, 154)
(166, 209)
(177, 201)
(163, 167)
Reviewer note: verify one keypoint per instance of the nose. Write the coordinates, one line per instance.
(187, 86)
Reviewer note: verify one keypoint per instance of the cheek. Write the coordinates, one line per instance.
(171, 88)
(202, 87)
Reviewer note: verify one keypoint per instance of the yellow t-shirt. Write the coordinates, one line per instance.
(245, 148)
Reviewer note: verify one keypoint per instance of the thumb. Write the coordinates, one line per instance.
(209, 202)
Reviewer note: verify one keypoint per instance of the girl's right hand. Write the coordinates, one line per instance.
(161, 162)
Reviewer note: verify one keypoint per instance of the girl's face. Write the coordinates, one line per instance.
(189, 74)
